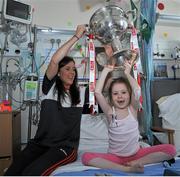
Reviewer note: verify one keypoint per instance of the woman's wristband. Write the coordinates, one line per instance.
(76, 37)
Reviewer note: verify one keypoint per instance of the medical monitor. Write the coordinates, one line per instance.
(17, 11)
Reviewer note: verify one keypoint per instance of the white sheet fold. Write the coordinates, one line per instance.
(170, 109)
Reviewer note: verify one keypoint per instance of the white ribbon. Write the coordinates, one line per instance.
(137, 69)
(92, 74)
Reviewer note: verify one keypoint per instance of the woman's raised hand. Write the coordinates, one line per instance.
(80, 31)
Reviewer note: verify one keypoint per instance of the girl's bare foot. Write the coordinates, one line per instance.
(134, 168)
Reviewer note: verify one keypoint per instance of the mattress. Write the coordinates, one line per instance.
(78, 169)
(94, 138)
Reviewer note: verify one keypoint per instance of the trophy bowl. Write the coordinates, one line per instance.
(109, 25)
(108, 22)
(117, 59)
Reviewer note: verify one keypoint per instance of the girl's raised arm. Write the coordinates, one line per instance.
(99, 89)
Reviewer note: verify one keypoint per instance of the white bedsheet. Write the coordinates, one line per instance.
(93, 138)
(75, 166)
(170, 113)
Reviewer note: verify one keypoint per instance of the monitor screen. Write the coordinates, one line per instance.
(17, 11)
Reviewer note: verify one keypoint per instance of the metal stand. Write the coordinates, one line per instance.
(29, 121)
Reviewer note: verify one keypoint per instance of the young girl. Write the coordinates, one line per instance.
(124, 151)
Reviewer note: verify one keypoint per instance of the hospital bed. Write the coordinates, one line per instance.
(159, 89)
(94, 138)
(165, 97)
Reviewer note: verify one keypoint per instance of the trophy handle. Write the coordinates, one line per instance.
(133, 13)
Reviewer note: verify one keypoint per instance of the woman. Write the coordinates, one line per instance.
(57, 138)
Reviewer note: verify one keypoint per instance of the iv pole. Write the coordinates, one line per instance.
(32, 102)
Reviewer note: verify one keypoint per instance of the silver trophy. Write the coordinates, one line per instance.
(109, 25)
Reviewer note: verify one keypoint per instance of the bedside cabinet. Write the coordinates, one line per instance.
(10, 138)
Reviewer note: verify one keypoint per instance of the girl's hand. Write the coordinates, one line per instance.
(108, 50)
(109, 68)
(80, 30)
(128, 66)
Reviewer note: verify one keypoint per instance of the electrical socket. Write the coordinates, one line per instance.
(52, 41)
(58, 41)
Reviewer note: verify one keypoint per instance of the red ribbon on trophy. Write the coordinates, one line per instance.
(137, 68)
(92, 74)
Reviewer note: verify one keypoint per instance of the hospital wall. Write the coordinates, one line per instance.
(67, 14)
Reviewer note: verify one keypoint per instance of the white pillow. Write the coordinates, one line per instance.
(162, 99)
(94, 132)
(94, 127)
(170, 110)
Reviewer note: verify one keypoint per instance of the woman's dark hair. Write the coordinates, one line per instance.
(74, 90)
(123, 81)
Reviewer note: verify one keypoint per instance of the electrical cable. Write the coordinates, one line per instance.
(45, 58)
